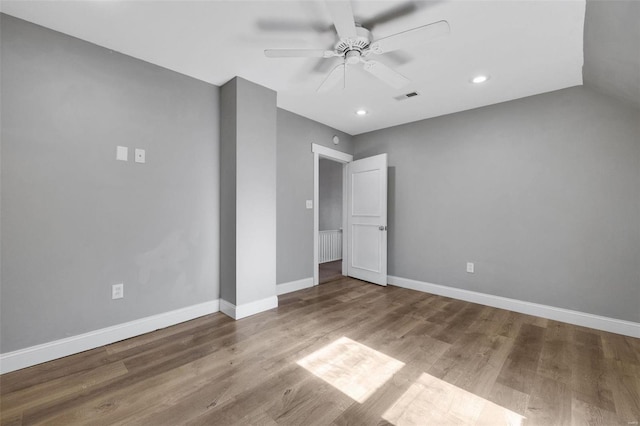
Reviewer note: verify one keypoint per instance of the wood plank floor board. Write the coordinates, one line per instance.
(509, 398)
(549, 403)
(583, 413)
(155, 338)
(621, 348)
(555, 357)
(589, 373)
(624, 382)
(459, 321)
(410, 358)
(48, 391)
(62, 367)
(413, 355)
(520, 367)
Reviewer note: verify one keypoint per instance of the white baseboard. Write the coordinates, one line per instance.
(227, 308)
(248, 309)
(612, 325)
(291, 286)
(33, 355)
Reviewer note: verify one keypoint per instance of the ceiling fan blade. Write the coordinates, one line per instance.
(335, 76)
(342, 16)
(395, 12)
(323, 67)
(284, 25)
(411, 37)
(298, 53)
(386, 74)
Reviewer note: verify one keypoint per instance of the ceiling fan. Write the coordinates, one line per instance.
(356, 45)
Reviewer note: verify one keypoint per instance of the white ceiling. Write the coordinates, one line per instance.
(527, 47)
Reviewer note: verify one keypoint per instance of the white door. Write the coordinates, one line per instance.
(367, 219)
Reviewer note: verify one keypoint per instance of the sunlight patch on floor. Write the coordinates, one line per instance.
(351, 367)
(430, 400)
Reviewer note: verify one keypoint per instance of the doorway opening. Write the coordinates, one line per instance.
(330, 253)
(330, 199)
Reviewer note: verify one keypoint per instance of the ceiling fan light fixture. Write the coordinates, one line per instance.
(361, 112)
(479, 79)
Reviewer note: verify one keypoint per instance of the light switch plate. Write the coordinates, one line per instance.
(470, 267)
(122, 153)
(140, 155)
(309, 204)
(117, 291)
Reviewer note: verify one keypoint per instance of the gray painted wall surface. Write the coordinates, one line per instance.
(612, 48)
(228, 136)
(330, 195)
(541, 193)
(75, 220)
(255, 192)
(295, 185)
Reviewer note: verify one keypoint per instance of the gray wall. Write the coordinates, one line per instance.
(256, 193)
(252, 175)
(75, 220)
(541, 193)
(228, 132)
(330, 195)
(612, 48)
(294, 186)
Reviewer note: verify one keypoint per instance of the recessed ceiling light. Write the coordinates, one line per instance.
(361, 112)
(479, 79)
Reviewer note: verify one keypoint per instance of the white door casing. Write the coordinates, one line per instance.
(367, 219)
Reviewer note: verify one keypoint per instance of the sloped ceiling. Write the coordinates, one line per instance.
(527, 47)
(612, 48)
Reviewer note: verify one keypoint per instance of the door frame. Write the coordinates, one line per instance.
(320, 151)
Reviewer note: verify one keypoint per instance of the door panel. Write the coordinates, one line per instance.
(366, 195)
(366, 247)
(367, 219)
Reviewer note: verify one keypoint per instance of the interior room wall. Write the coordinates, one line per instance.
(540, 193)
(228, 190)
(295, 186)
(611, 46)
(330, 195)
(74, 220)
(248, 176)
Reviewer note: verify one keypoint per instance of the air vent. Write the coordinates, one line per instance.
(406, 96)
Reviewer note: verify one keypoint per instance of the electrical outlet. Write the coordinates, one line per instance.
(139, 155)
(470, 267)
(117, 291)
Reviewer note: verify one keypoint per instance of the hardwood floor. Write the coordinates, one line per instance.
(329, 271)
(342, 353)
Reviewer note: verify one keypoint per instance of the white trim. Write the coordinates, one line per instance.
(33, 355)
(333, 154)
(316, 215)
(292, 286)
(598, 322)
(345, 213)
(248, 309)
(341, 157)
(228, 308)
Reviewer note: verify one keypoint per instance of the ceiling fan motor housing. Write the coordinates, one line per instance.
(352, 48)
